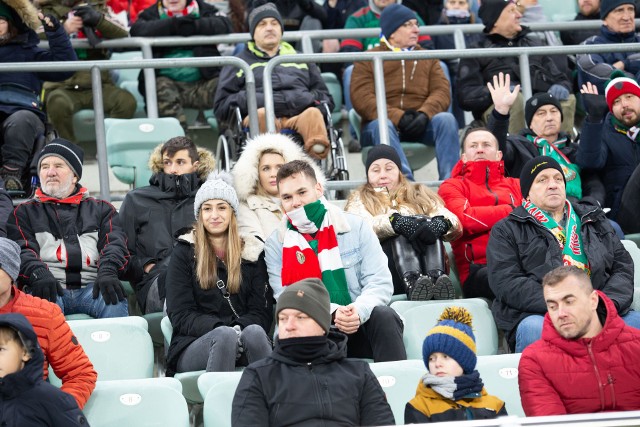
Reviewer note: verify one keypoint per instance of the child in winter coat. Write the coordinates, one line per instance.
(452, 390)
(25, 398)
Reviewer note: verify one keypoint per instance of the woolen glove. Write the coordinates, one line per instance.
(559, 91)
(595, 106)
(185, 26)
(108, 285)
(406, 119)
(44, 285)
(90, 16)
(415, 130)
(405, 225)
(50, 23)
(430, 230)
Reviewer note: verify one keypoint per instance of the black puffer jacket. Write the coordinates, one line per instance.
(27, 400)
(194, 311)
(474, 73)
(329, 391)
(521, 251)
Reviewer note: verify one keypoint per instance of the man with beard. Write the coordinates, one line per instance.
(583, 340)
(72, 245)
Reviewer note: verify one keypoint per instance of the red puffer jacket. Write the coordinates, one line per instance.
(559, 376)
(60, 347)
(479, 195)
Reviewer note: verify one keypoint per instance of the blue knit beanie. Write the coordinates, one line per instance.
(453, 336)
(393, 16)
(607, 6)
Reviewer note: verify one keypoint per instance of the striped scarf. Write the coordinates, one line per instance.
(310, 249)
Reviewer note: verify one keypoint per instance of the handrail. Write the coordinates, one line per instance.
(96, 81)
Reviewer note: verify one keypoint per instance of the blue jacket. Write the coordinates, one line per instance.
(24, 48)
(25, 398)
(597, 67)
(365, 264)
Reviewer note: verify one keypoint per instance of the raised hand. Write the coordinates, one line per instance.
(502, 95)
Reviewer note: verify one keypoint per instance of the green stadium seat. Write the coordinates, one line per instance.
(335, 89)
(399, 381)
(221, 387)
(499, 374)
(129, 74)
(84, 126)
(555, 10)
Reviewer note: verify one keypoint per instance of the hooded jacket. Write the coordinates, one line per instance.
(153, 216)
(26, 400)
(521, 251)
(480, 195)
(558, 376)
(330, 390)
(259, 215)
(60, 347)
(195, 311)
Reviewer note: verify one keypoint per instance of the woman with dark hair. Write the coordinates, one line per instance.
(218, 296)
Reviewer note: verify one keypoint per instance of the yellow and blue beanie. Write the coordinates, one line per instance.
(453, 336)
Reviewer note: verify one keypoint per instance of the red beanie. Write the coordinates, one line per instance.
(620, 84)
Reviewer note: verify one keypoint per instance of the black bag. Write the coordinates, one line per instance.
(19, 96)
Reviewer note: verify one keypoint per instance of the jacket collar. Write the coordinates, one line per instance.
(177, 185)
(251, 250)
(255, 201)
(617, 37)
(501, 40)
(79, 195)
(480, 171)
(285, 49)
(337, 351)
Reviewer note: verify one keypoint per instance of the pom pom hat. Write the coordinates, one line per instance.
(619, 84)
(453, 336)
(219, 185)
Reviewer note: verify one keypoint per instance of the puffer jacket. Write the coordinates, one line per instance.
(27, 400)
(521, 251)
(430, 407)
(74, 238)
(330, 390)
(24, 48)
(296, 87)
(417, 85)
(559, 376)
(474, 73)
(597, 67)
(382, 225)
(153, 216)
(60, 347)
(194, 311)
(259, 215)
(479, 195)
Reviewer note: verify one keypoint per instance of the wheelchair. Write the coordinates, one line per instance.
(232, 140)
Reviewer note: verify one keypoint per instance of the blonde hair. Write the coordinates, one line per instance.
(259, 190)
(416, 197)
(207, 261)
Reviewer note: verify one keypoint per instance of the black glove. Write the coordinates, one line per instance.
(415, 130)
(185, 26)
(44, 285)
(595, 106)
(109, 286)
(406, 119)
(90, 16)
(405, 225)
(50, 23)
(430, 230)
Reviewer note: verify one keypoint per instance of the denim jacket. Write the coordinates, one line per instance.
(364, 262)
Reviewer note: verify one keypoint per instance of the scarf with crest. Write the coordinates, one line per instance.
(572, 248)
(310, 249)
(571, 171)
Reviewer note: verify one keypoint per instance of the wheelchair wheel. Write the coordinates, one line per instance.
(224, 155)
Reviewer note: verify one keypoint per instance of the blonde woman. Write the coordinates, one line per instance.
(411, 221)
(218, 297)
(255, 181)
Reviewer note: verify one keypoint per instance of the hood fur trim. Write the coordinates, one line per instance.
(251, 250)
(26, 11)
(245, 170)
(205, 157)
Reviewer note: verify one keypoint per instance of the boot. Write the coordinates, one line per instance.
(443, 288)
(435, 263)
(407, 264)
(12, 178)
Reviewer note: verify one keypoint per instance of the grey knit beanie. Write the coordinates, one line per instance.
(10, 257)
(309, 296)
(267, 10)
(219, 185)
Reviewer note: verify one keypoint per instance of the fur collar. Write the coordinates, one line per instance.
(251, 249)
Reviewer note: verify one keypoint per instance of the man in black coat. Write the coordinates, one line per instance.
(309, 356)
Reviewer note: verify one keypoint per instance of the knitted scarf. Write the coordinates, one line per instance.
(633, 132)
(455, 388)
(310, 249)
(572, 253)
(571, 171)
(191, 9)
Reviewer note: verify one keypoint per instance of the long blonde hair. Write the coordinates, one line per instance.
(207, 261)
(416, 197)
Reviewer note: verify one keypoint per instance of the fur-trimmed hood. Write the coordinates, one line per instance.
(205, 157)
(26, 12)
(251, 249)
(245, 171)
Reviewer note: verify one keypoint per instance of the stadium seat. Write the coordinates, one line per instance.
(499, 374)
(633, 250)
(419, 319)
(556, 10)
(132, 87)
(129, 74)
(210, 379)
(140, 403)
(120, 348)
(417, 154)
(221, 388)
(130, 143)
(155, 331)
(84, 126)
(453, 270)
(335, 89)
(399, 381)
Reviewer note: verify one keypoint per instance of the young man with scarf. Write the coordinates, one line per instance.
(609, 144)
(73, 247)
(317, 239)
(545, 232)
(309, 355)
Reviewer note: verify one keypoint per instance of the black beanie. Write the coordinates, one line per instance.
(607, 6)
(309, 296)
(532, 168)
(537, 101)
(393, 17)
(71, 153)
(490, 11)
(267, 10)
(382, 151)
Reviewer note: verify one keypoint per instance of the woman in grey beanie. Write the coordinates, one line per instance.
(218, 297)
